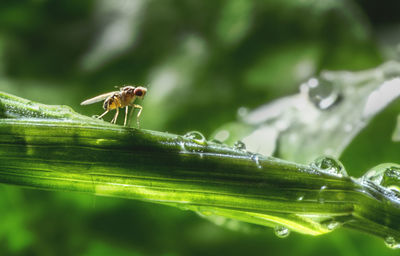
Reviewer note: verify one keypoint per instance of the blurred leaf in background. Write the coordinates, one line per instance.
(206, 63)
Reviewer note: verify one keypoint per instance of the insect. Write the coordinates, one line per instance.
(123, 98)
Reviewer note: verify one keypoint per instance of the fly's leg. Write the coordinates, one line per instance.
(114, 120)
(138, 115)
(126, 115)
(103, 114)
(130, 117)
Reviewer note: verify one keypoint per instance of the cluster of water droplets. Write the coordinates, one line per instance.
(329, 165)
(199, 138)
(386, 176)
(323, 93)
(241, 146)
(186, 141)
(27, 110)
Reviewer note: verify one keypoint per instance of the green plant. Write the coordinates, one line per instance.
(52, 147)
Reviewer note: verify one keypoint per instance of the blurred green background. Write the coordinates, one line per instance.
(202, 61)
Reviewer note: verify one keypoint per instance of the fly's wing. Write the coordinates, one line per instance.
(97, 98)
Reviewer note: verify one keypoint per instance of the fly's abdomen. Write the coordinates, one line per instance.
(112, 102)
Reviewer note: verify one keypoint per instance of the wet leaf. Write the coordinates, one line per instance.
(327, 114)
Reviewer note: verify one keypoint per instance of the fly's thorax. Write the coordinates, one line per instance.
(128, 88)
(130, 93)
(128, 99)
(127, 95)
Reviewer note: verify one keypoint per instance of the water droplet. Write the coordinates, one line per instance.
(394, 189)
(386, 175)
(332, 225)
(300, 198)
(256, 159)
(373, 176)
(242, 112)
(239, 145)
(329, 165)
(181, 143)
(204, 211)
(321, 92)
(281, 231)
(392, 243)
(391, 176)
(196, 137)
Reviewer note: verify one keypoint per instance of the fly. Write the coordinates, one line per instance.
(124, 98)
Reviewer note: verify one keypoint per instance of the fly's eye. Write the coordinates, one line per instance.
(138, 92)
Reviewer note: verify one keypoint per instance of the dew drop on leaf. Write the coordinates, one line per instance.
(256, 159)
(386, 175)
(394, 189)
(323, 94)
(242, 112)
(329, 165)
(332, 225)
(281, 231)
(195, 136)
(182, 145)
(392, 243)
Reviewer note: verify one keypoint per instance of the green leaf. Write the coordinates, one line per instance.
(324, 117)
(374, 144)
(342, 104)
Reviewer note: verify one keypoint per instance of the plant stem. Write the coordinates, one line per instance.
(50, 147)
